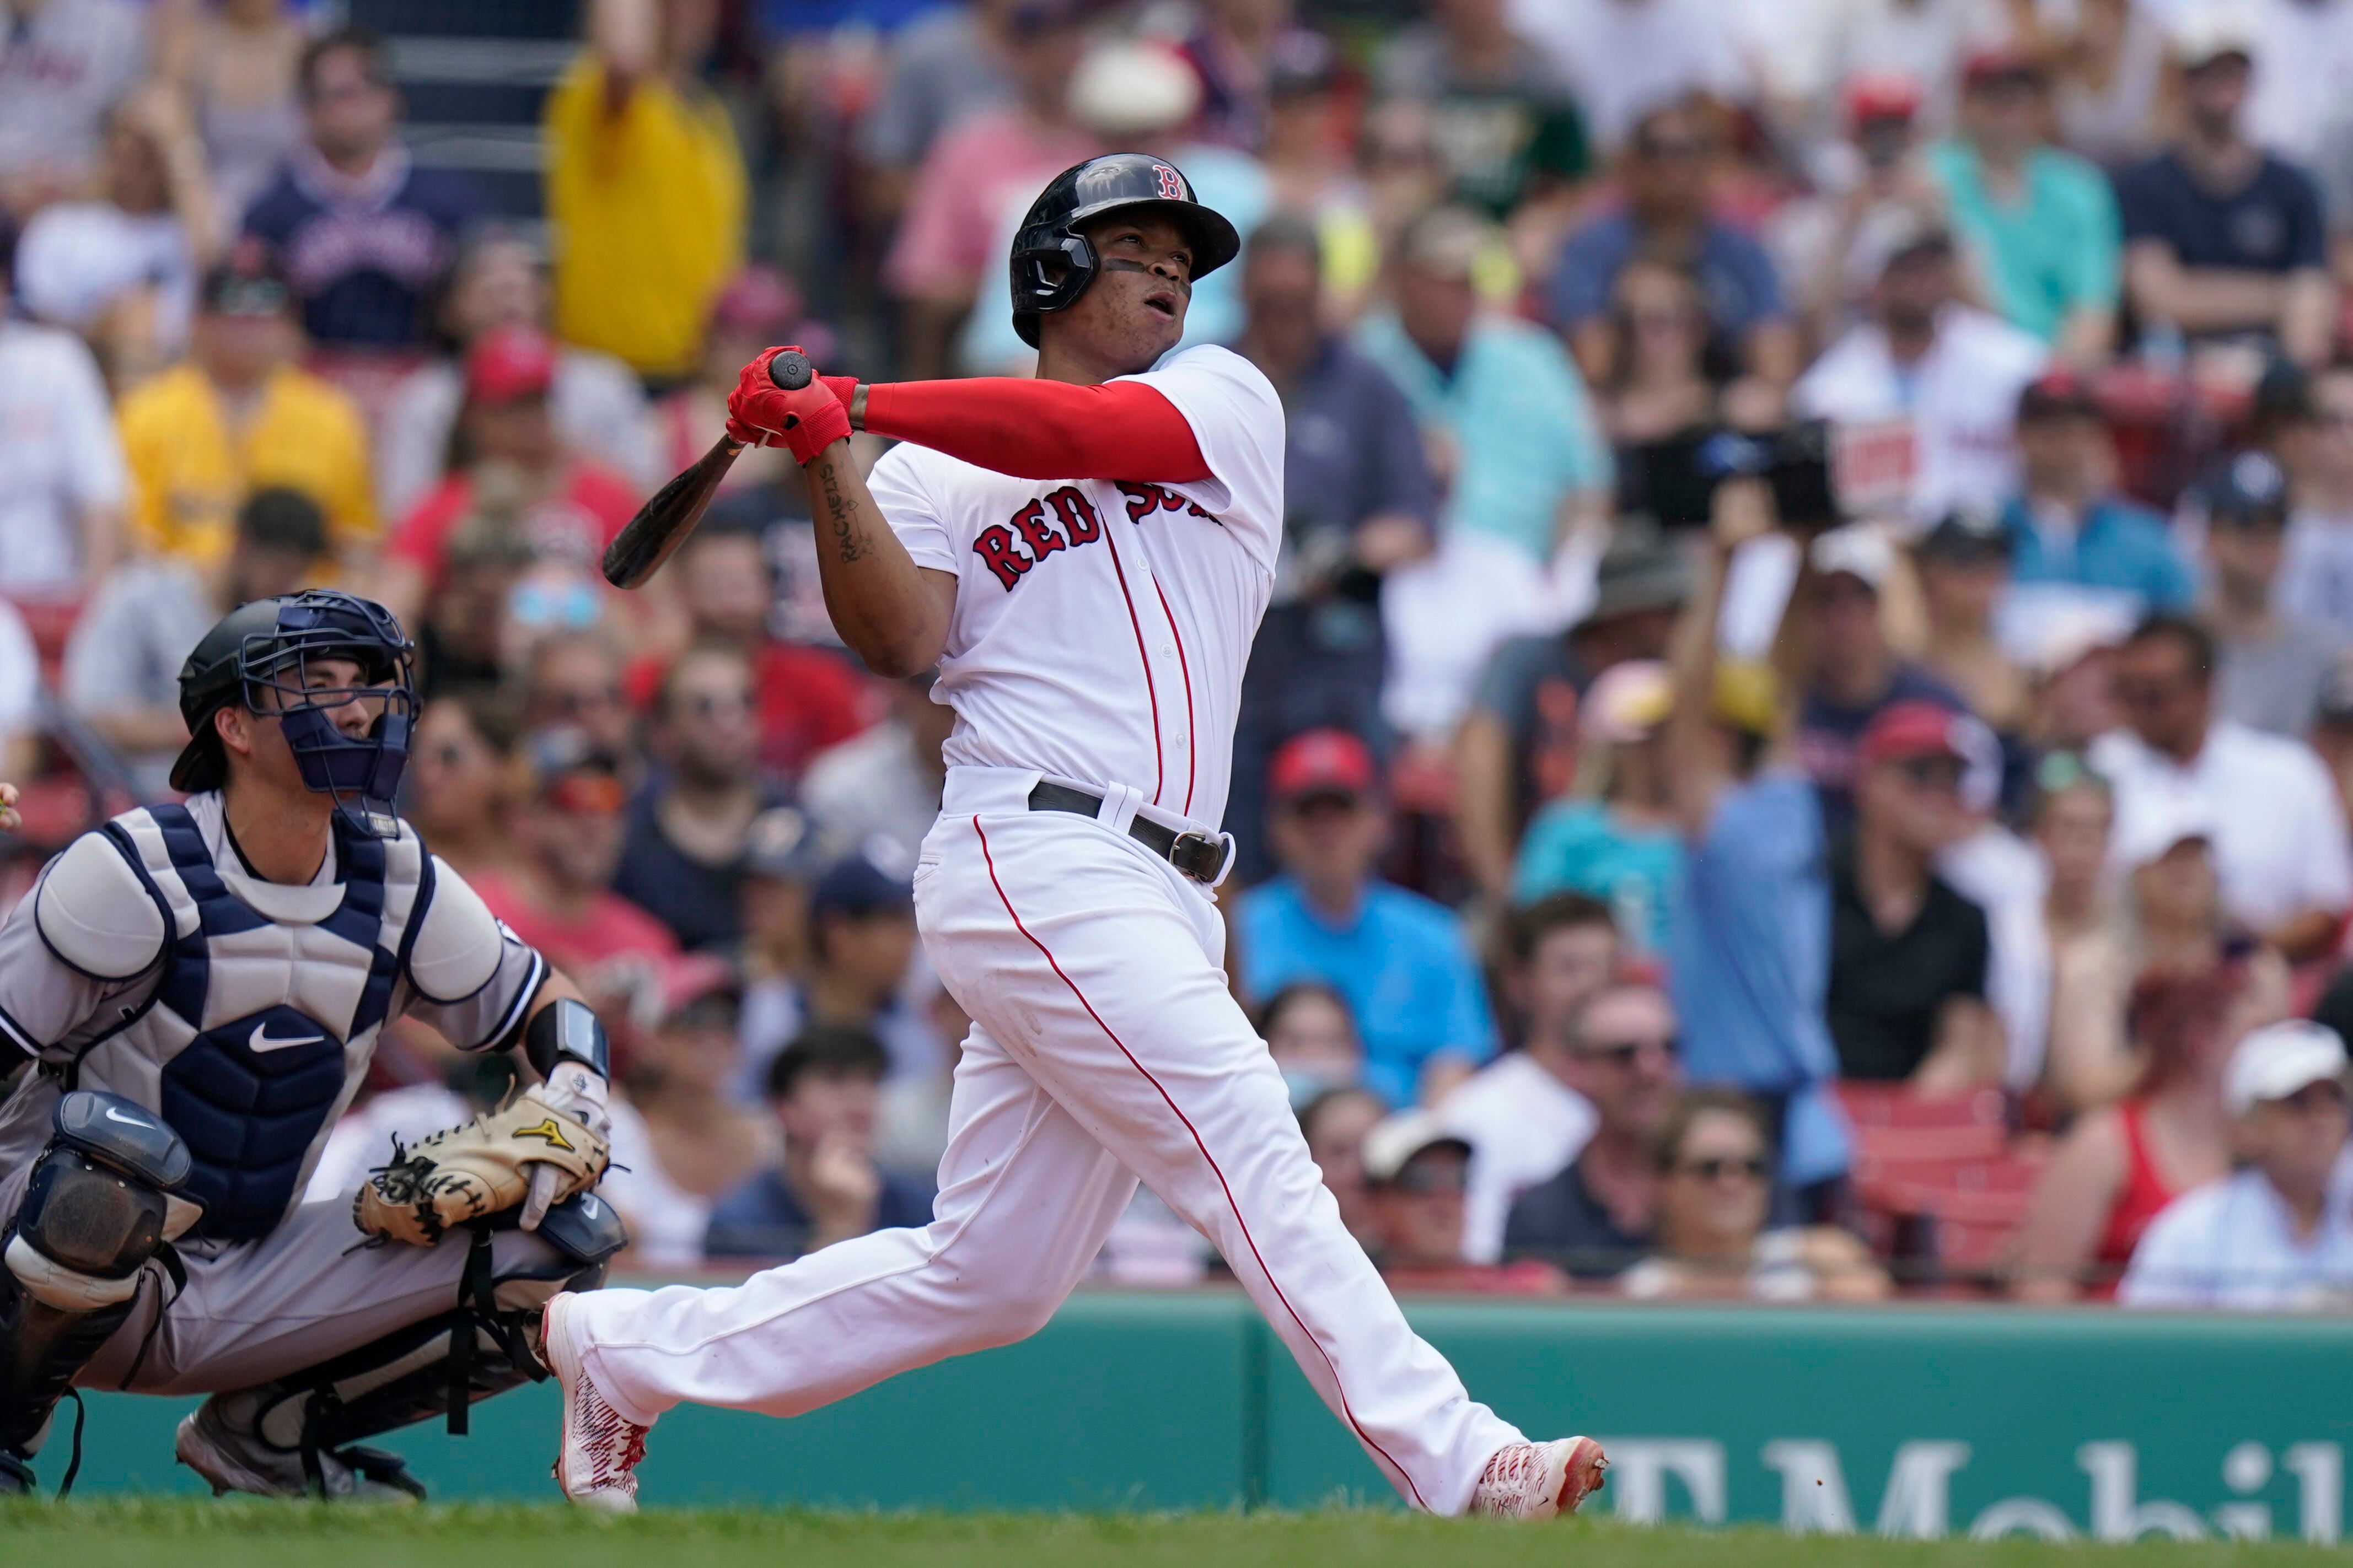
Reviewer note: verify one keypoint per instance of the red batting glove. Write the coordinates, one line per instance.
(807, 421)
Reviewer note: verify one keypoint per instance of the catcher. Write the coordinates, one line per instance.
(189, 997)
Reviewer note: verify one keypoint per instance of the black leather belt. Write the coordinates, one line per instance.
(1196, 855)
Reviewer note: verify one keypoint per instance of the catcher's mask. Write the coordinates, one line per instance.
(271, 645)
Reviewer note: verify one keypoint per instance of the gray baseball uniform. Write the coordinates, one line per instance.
(150, 964)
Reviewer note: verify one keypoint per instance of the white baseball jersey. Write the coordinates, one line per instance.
(1100, 626)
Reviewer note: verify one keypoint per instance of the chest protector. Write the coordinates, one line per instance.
(262, 1022)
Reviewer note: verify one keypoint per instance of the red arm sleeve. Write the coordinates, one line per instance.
(1043, 429)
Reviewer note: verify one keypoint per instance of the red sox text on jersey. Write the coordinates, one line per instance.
(1000, 545)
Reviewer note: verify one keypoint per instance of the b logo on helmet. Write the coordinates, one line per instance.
(1172, 183)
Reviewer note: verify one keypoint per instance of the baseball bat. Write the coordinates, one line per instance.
(662, 524)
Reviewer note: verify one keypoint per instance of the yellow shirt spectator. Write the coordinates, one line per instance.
(647, 199)
(190, 470)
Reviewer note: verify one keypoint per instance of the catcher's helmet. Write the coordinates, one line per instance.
(1053, 263)
(265, 646)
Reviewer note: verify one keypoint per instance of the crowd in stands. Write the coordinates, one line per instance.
(1802, 745)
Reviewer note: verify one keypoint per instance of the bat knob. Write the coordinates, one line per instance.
(791, 370)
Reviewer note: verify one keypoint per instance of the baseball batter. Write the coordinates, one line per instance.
(199, 988)
(1085, 557)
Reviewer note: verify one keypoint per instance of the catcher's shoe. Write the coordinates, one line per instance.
(596, 1457)
(235, 1461)
(1539, 1480)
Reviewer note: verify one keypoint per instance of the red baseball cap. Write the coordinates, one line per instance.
(1882, 95)
(508, 363)
(1914, 728)
(1321, 761)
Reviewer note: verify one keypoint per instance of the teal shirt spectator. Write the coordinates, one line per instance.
(2117, 546)
(1402, 965)
(1583, 846)
(1523, 432)
(2057, 251)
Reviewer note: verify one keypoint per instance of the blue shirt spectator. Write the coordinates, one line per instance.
(2048, 253)
(1735, 274)
(2116, 545)
(1399, 959)
(364, 236)
(1749, 962)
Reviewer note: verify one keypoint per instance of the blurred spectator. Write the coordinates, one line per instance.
(1963, 564)
(122, 662)
(1749, 960)
(1415, 1177)
(1872, 187)
(1399, 959)
(946, 254)
(572, 679)
(808, 700)
(2279, 839)
(703, 1145)
(2110, 68)
(1659, 386)
(1926, 42)
(2316, 572)
(62, 478)
(1334, 1123)
(2072, 814)
(2119, 1165)
(759, 307)
(1517, 747)
(825, 1091)
(468, 633)
(2272, 666)
(2221, 239)
(2278, 1234)
(121, 268)
(460, 760)
(238, 65)
(364, 233)
(2040, 224)
(1138, 96)
(2073, 702)
(1616, 835)
(2074, 541)
(785, 857)
(946, 65)
(1313, 169)
(572, 505)
(1908, 954)
(1950, 371)
(1714, 1190)
(1312, 1036)
(885, 782)
(1597, 1214)
(1515, 447)
(558, 895)
(595, 402)
(1233, 48)
(63, 65)
(1667, 177)
(238, 415)
(1856, 675)
(20, 700)
(1522, 1114)
(1359, 501)
(1507, 128)
(1623, 58)
(861, 937)
(688, 833)
(645, 185)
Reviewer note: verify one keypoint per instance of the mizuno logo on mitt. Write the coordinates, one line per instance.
(546, 1129)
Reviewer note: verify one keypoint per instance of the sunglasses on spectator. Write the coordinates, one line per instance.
(572, 704)
(2129, 693)
(1752, 1169)
(589, 794)
(1942, 774)
(718, 704)
(1419, 1180)
(2327, 1094)
(1621, 1053)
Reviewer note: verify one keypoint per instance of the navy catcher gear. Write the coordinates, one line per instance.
(266, 645)
(1053, 262)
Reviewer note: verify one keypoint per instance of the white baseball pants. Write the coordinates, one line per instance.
(1104, 1047)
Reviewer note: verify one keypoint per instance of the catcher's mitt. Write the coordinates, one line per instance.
(479, 1169)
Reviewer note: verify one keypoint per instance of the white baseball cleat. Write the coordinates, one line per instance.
(596, 1458)
(1539, 1480)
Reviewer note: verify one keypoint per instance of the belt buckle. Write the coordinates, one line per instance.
(1190, 850)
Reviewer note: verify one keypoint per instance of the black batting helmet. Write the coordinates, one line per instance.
(1053, 263)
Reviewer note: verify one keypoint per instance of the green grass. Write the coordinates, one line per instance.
(241, 1534)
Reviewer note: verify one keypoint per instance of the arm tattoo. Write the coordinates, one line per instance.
(843, 511)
